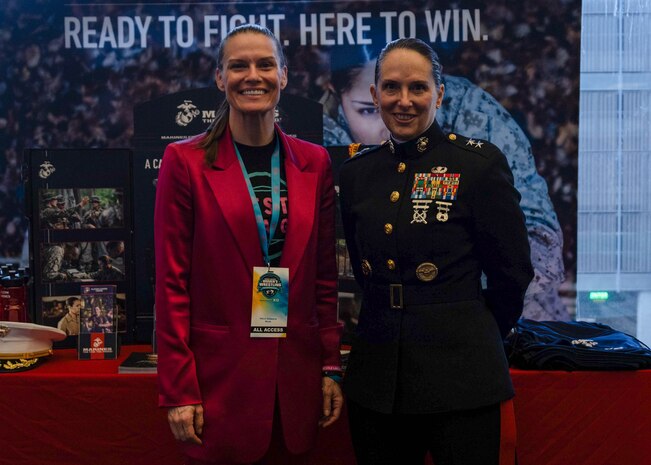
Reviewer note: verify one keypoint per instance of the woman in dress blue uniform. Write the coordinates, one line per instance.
(425, 214)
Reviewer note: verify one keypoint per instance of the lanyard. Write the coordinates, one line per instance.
(275, 200)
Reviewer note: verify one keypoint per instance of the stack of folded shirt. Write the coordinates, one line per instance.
(576, 345)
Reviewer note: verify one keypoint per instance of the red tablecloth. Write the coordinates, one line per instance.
(70, 412)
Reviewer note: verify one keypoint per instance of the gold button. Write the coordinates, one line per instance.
(395, 195)
(452, 137)
(366, 267)
(401, 167)
(388, 228)
(391, 264)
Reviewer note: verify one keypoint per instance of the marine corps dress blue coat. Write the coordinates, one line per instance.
(423, 221)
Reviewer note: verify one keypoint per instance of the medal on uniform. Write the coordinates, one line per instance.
(420, 197)
(437, 186)
(270, 299)
(442, 210)
(420, 211)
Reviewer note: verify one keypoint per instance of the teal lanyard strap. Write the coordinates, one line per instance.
(275, 200)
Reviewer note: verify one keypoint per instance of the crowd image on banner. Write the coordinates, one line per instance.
(518, 89)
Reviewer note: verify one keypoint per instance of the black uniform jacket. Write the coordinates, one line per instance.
(423, 220)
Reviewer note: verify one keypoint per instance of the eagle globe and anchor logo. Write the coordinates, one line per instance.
(269, 284)
(46, 169)
(188, 112)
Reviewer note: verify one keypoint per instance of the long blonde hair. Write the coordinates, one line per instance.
(218, 126)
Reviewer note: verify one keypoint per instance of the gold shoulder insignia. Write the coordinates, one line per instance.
(353, 149)
(356, 150)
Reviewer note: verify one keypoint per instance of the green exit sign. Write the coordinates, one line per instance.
(599, 296)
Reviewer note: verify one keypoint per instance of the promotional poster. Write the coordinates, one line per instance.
(74, 73)
(98, 339)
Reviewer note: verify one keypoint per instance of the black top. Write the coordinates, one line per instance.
(257, 161)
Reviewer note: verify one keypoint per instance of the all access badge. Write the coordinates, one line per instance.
(270, 302)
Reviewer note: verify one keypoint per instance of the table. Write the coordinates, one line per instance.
(69, 412)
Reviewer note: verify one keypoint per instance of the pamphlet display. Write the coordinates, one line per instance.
(98, 339)
(79, 205)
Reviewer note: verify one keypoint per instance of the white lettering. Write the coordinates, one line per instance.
(407, 20)
(236, 20)
(107, 34)
(208, 29)
(152, 163)
(325, 29)
(126, 32)
(465, 25)
(143, 28)
(71, 29)
(334, 28)
(437, 28)
(345, 24)
(471, 25)
(88, 32)
(166, 20)
(121, 34)
(184, 31)
(275, 19)
(305, 29)
(388, 16)
(362, 28)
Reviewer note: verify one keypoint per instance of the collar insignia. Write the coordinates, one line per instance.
(421, 144)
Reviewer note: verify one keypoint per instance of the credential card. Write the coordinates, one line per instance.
(270, 302)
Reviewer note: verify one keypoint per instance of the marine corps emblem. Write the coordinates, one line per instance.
(187, 113)
(46, 170)
(421, 144)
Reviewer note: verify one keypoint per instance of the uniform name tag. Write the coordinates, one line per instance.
(270, 302)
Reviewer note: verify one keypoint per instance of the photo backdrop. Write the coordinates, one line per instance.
(73, 72)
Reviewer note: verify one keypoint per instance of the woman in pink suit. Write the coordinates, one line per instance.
(243, 213)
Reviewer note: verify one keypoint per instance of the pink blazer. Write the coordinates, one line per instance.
(206, 245)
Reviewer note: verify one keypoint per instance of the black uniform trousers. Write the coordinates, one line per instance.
(470, 437)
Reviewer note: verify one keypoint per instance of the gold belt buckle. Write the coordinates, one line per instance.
(393, 290)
